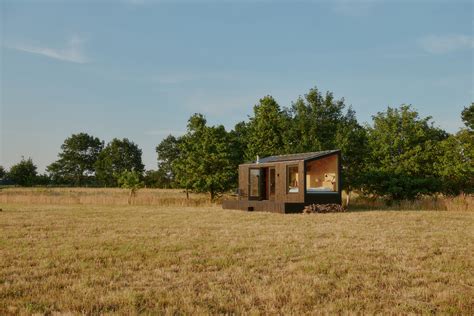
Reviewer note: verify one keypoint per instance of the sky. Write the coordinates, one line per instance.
(140, 68)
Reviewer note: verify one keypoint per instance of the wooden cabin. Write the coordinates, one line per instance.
(287, 183)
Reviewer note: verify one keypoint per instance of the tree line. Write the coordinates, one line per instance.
(400, 155)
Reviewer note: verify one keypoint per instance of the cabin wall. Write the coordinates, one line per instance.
(243, 182)
(281, 169)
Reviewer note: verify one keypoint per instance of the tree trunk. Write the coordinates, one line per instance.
(130, 197)
(187, 194)
(348, 198)
(212, 195)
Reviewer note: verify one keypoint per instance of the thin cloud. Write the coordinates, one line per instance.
(443, 44)
(73, 52)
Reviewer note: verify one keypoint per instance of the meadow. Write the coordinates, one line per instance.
(107, 259)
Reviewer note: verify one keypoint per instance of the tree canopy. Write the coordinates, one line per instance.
(467, 116)
(205, 163)
(266, 129)
(23, 173)
(3, 172)
(403, 150)
(76, 163)
(168, 151)
(118, 156)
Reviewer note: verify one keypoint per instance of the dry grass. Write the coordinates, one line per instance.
(174, 197)
(101, 196)
(438, 203)
(136, 259)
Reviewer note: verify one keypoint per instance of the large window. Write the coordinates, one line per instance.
(293, 179)
(272, 181)
(254, 183)
(322, 175)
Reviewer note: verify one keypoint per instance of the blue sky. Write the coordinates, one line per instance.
(139, 68)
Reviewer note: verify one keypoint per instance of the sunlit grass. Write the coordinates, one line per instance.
(134, 259)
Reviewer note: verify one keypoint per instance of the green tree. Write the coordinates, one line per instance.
(315, 120)
(455, 163)
(77, 159)
(130, 180)
(239, 138)
(168, 152)
(351, 139)
(157, 179)
(468, 116)
(403, 150)
(23, 173)
(118, 156)
(3, 172)
(206, 162)
(43, 179)
(266, 129)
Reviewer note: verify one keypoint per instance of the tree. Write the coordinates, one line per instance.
(3, 172)
(239, 138)
(77, 159)
(23, 173)
(315, 120)
(403, 150)
(455, 160)
(118, 156)
(130, 180)
(468, 116)
(266, 129)
(351, 139)
(157, 179)
(455, 163)
(168, 152)
(206, 162)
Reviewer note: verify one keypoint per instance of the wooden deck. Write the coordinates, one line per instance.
(263, 206)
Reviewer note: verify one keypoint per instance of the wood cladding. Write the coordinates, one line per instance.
(276, 188)
(281, 174)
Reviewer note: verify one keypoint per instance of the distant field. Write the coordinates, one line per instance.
(177, 197)
(101, 196)
(142, 259)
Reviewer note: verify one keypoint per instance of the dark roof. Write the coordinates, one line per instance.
(301, 156)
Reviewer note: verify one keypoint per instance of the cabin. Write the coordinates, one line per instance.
(287, 183)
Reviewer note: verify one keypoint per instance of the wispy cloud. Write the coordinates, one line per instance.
(443, 44)
(73, 52)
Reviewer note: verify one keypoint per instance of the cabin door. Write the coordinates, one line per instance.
(268, 183)
(264, 184)
(271, 183)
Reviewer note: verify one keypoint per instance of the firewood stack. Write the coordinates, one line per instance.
(323, 208)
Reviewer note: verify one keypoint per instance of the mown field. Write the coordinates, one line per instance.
(98, 259)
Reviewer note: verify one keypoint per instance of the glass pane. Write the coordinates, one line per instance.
(254, 182)
(272, 181)
(322, 175)
(293, 179)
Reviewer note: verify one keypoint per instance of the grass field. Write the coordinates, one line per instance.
(169, 259)
(177, 197)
